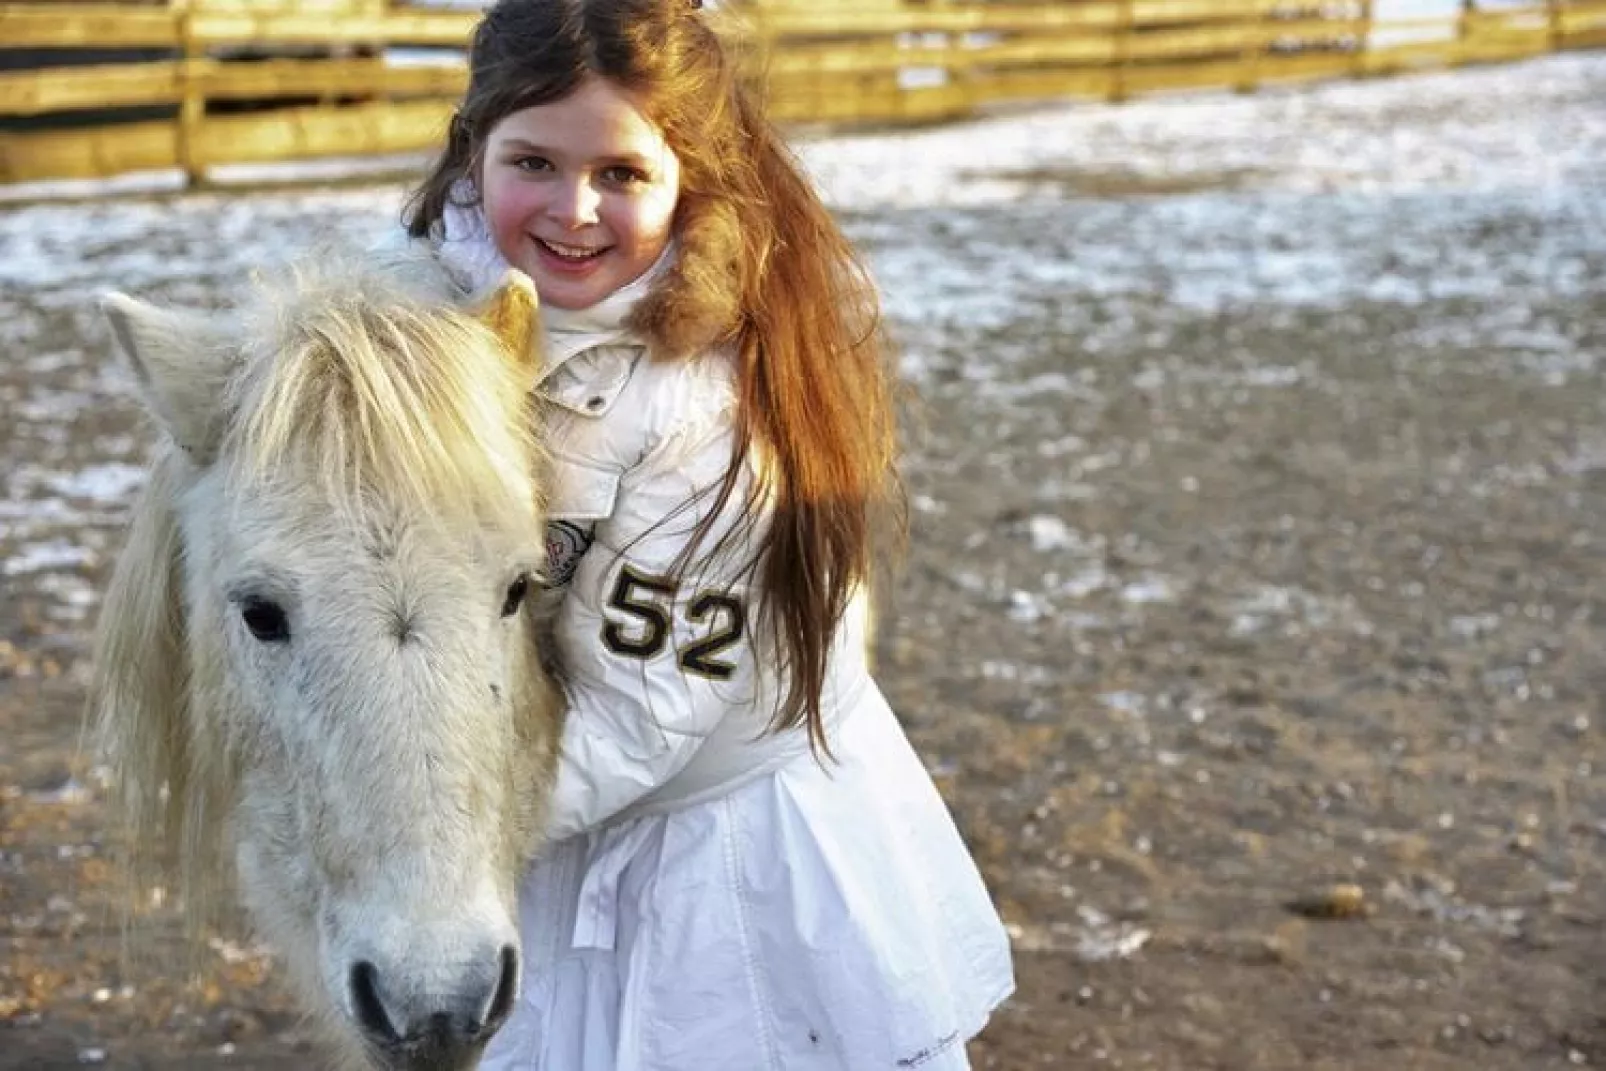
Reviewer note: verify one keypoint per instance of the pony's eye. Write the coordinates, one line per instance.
(266, 620)
(516, 592)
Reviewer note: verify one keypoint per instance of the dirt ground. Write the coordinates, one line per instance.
(1220, 596)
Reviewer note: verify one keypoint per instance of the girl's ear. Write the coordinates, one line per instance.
(182, 361)
(512, 312)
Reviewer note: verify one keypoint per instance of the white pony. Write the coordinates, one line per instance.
(318, 648)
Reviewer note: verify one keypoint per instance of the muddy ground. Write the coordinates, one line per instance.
(1257, 551)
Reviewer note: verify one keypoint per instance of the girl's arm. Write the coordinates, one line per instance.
(656, 657)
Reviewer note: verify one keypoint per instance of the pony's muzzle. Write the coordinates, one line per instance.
(437, 1030)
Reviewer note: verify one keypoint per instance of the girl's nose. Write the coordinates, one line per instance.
(575, 204)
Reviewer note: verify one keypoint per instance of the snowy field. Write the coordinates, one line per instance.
(1257, 476)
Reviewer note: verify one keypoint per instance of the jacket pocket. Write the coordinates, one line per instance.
(582, 491)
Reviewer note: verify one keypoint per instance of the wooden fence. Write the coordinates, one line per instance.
(97, 89)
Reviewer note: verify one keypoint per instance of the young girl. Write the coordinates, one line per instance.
(748, 866)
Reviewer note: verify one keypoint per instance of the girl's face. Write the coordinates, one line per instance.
(580, 193)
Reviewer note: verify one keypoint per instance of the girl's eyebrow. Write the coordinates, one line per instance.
(627, 156)
(525, 146)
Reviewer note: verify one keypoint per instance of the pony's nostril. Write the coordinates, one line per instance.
(367, 1006)
(507, 991)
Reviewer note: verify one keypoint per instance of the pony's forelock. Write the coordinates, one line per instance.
(359, 384)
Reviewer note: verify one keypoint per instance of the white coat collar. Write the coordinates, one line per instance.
(573, 331)
(469, 253)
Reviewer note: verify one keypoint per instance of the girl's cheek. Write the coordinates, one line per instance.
(504, 235)
(657, 216)
(509, 213)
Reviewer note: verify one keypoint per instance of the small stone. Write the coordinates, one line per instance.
(1343, 901)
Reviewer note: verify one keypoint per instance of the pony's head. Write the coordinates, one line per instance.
(318, 647)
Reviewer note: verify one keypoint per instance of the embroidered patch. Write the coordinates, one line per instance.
(565, 543)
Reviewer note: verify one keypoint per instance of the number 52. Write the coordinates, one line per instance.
(647, 602)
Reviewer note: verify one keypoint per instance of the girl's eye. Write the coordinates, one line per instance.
(623, 176)
(531, 163)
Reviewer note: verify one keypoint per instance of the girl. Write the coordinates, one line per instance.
(748, 867)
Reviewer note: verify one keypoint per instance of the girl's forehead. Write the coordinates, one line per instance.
(598, 119)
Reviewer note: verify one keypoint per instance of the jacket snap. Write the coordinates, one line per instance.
(590, 382)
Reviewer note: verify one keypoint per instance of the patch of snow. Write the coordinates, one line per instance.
(1149, 589)
(40, 557)
(1050, 534)
(113, 482)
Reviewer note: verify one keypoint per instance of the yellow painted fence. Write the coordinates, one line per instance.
(199, 84)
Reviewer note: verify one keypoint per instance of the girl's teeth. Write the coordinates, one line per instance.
(570, 252)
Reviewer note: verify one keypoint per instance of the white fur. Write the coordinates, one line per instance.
(360, 456)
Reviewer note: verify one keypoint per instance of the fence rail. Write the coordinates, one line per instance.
(93, 90)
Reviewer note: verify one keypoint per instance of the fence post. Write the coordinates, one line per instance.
(1363, 41)
(1119, 90)
(192, 102)
(962, 74)
(1249, 53)
(757, 49)
(1556, 37)
(1463, 33)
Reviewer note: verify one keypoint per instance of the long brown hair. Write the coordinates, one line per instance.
(762, 268)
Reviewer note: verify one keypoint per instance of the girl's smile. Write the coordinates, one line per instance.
(580, 194)
(566, 260)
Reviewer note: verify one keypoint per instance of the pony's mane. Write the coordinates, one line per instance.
(350, 378)
(359, 382)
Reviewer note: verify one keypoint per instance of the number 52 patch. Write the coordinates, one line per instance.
(644, 607)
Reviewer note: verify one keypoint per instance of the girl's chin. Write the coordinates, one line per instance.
(566, 289)
(570, 293)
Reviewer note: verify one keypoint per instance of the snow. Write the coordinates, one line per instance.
(39, 557)
(106, 483)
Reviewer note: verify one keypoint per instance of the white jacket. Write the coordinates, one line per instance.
(715, 898)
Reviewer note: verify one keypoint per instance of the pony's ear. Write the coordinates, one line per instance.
(512, 312)
(182, 361)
